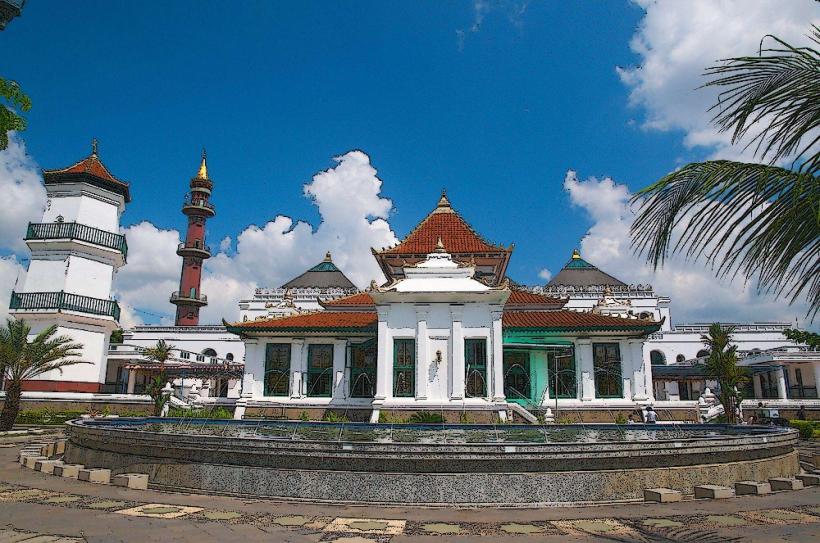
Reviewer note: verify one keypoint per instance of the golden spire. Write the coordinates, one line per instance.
(203, 167)
(575, 254)
(327, 257)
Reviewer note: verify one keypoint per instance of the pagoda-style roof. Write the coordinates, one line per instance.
(518, 300)
(445, 224)
(325, 274)
(319, 321)
(580, 273)
(89, 170)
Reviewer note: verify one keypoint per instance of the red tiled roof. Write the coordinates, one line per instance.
(523, 297)
(574, 320)
(92, 165)
(456, 235)
(360, 298)
(321, 320)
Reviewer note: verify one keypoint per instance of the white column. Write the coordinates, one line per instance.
(340, 388)
(457, 361)
(781, 383)
(384, 359)
(639, 366)
(132, 379)
(584, 349)
(422, 352)
(497, 360)
(816, 367)
(758, 387)
(296, 371)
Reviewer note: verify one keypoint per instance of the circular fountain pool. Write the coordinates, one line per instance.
(431, 464)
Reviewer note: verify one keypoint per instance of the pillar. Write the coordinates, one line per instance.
(296, 348)
(585, 363)
(422, 352)
(758, 387)
(816, 367)
(639, 366)
(132, 378)
(457, 362)
(384, 358)
(497, 360)
(782, 393)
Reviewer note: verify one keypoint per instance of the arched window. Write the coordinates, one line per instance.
(703, 353)
(229, 356)
(209, 352)
(657, 358)
(680, 358)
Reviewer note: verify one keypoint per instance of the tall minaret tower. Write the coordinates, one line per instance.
(75, 250)
(193, 250)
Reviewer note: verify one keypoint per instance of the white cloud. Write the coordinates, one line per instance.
(678, 40)
(545, 274)
(24, 196)
(696, 294)
(353, 219)
(514, 11)
(12, 273)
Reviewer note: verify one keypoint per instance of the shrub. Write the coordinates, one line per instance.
(426, 417)
(620, 419)
(805, 427)
(46, 416)
(215, 413)
(331, 416)
(304, 416)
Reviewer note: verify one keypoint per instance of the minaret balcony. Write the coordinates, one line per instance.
(192, 250)
(196, 205)
(202, 185)
(24, 302)
(180, 298)
(72, 231)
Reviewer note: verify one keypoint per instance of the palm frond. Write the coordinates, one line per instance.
(777, 90)
(759, 221)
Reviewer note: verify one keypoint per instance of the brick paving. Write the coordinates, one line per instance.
(36, 507)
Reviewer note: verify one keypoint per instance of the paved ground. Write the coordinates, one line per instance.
(39, 508)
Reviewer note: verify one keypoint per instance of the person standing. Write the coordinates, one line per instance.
(651, 416)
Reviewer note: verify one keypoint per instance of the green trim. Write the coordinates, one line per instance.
(282, 371)
(324, 267)
(645, 328)
(475, 362)
(322, 375)
(409, 347)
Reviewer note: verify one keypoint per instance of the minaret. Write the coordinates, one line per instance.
(193, 250)
(75, 250)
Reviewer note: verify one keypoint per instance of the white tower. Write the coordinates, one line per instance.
(75, 251)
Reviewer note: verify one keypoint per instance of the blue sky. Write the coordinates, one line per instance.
(274, 90)
(493, 99)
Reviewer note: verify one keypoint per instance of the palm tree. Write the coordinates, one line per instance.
(159, 354)
(22, 358)
(760, 221)
(722, 367)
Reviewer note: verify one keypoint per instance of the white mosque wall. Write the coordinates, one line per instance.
(84, 204)
(94, 340)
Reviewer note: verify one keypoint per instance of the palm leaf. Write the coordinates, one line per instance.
(778, 92)
(759, 221)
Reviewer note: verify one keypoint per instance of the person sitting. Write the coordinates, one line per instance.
(630, 420)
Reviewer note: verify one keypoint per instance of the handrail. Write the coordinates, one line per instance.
(181, 296)
(82, 232)
(205, 248)
(65, 301)
(197, 202)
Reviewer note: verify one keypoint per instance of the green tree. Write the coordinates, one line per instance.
(722, 367)
(12, 98)
(158, 354)
(760, 221)
(22, 358)
(802, 336)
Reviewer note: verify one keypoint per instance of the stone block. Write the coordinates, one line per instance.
(95, 475)
(137, 481)
(713, 492)
(47, 449)
(817, 461)
(661, 495)
(47, 466)
(785, 483)
(31, 461)
(755, 488)
(59, 447)
(28, 452)
(808, 479)
(68, 470)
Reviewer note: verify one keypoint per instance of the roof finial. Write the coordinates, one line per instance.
(93, 146)
(443, 201)
(440, 246)
(575, 254)
(203, 166)
(328, 257)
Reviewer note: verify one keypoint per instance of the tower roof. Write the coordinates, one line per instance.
(443, 226)
(203, 166)
(580, 273)
(89, 170)
(325, 274)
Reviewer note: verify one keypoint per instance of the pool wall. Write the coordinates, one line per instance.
(415, 473)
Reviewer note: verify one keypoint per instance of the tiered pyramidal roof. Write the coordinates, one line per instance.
(89, 170)
(325, 274)
(462, 242)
